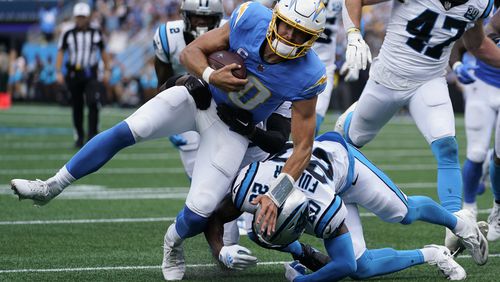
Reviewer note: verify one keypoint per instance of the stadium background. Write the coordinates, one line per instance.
(109, 226)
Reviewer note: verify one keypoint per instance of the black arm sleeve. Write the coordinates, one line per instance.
(276, 135)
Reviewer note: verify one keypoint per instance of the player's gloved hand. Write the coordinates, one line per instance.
(349, 74)
(293, 270)
(238, 120)
(357, 54)
(464, 72)
(237, 257)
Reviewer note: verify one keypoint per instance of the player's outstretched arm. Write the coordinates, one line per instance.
(235, 256)
(357, 53)
(194, 58)
(481, 46)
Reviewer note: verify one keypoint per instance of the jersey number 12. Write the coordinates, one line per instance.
(422, 26)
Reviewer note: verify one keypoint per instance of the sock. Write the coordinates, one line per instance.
(294, 248)
(471, 175)
(100, 150)
(383, 261)
(189, 224)
(460, 226)
(449, 180)
(173, 235)
(495, 180)
(429, 254)
(425, 209)
(61, 180)
(470, 206)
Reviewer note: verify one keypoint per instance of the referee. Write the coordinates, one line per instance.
(83, 44)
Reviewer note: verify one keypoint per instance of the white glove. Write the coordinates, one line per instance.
(349, 74)
(237, 257)
(357, 54)
(294, 269)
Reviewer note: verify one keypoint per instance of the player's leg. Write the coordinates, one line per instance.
(375, 108)
(479, 121)
(171, 111)
(432, 112)
(93, 101)
(77, 103)
(376, 192)
(494, 217)
(219, 156)
(324, 99)
(187, 143)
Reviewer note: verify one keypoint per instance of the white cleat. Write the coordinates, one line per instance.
(174, 265)
(339, 124)
(473, 239)
(37, 190)
(494, 223)
(446, 264)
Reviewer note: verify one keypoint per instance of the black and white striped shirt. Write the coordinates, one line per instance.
(82, 46)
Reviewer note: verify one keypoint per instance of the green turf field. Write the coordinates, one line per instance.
(109, 226)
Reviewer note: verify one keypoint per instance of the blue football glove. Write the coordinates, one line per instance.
(464, 72)
(177, 140)
(294, 270)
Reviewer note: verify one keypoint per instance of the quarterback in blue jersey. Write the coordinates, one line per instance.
(482, 96)
(280, 69)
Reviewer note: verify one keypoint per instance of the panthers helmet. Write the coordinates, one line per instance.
(290, 224)
(212, 10)
(308, 16)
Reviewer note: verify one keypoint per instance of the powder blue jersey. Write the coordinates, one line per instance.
(487, 73)
(268, 85)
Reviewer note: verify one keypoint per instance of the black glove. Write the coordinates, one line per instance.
(238, 120)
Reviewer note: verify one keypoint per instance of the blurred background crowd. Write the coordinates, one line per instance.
(29, 31)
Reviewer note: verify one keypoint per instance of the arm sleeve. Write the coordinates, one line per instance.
(276, 135)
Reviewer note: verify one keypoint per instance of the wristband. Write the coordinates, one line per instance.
(281, 188)
(206, 74)
(353, 29)
(456, 65)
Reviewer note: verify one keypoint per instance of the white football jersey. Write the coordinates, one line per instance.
(421, 34)
(326, 47)
(326, 175)
(169, 42)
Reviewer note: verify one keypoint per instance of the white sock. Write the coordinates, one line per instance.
(429, 254)
(470, 206)
(173, 236)
(460, 227)
(61, 180)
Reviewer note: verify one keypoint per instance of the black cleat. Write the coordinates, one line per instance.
(312, 258)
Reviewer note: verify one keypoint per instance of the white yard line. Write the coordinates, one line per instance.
(137, 220)
(139, 267)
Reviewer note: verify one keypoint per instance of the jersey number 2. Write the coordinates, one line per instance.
(421, 27)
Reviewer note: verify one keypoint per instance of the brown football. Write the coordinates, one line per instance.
(223, 58)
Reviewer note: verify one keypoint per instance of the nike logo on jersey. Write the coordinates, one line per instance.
(355, 180)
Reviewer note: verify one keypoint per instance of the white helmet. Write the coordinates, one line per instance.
(290, 224)
(81, 9)
(308, 16)
(211, 9)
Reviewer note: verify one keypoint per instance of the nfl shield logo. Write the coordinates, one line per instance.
(447, 5)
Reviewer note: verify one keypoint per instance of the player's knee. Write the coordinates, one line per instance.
(201, 205)
(477, 155)
(189, 223)
(445, 151)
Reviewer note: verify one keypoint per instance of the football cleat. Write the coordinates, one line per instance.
(312, 258)
(444, 261)
(37, 190)
(340, 123)
(494, 223)
(173, 265)
(472, 238)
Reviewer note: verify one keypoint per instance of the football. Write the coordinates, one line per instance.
(223, 58)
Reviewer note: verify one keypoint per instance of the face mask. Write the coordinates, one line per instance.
(200, 31)
(284, 49)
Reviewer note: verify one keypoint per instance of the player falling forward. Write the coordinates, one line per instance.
(275, 47)
(337, 174)
(409, 71)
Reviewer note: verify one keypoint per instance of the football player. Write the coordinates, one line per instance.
(274, 45)
(339, 174)
(409, 71)
(481, 116)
